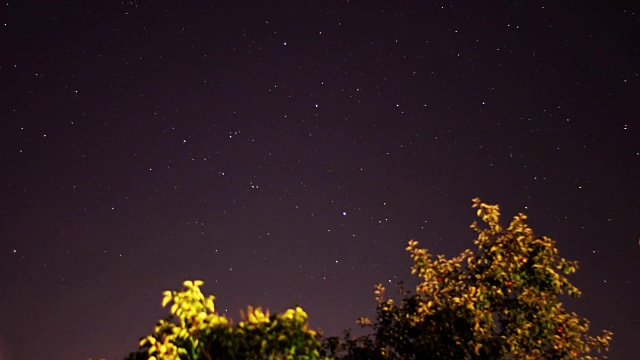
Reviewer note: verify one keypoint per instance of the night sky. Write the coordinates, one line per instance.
(285, 152)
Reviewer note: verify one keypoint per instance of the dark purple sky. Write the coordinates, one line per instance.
(286, 152)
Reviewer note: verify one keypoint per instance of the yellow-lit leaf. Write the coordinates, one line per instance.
(166, 300)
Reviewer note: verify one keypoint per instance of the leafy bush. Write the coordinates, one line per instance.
(500, 301)
(195, 331)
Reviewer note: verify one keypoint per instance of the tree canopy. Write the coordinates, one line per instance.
(196, 331)
(500, 301)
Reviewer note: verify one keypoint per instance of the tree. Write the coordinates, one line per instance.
(195, 331)
(499, 302)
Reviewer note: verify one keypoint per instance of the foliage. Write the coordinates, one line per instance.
(195, 331)
(352, 348)
(499, 302)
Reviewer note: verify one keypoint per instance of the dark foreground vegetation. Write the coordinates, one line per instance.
(498, 301)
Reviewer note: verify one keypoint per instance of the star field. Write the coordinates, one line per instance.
(284, 153)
